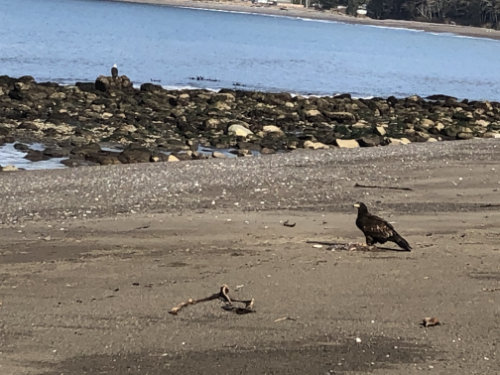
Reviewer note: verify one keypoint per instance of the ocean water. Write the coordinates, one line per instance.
(77, 40)
(9, 155)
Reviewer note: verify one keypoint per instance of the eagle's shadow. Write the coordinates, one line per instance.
(349, 246)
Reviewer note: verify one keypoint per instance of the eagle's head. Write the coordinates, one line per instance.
(361, 207)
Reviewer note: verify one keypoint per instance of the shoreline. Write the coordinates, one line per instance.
(289, 10)
(198, 124)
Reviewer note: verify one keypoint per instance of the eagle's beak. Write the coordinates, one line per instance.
(356, 205)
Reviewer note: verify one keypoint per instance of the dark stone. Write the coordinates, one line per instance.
(86, 86)
(28, 126)
(341, 117)
(26, 79)
(16, 94)
(22, 147)
(106, 83)
(34, 155)
(343, 96)
(76, 161)
(248, 146)
(370, 141)
(451, 131)
(86, 149)
(6, 81)
(103, 158)
(150, 87)
(392, 101)
(135, 155)
(56, 152)
(441, 97)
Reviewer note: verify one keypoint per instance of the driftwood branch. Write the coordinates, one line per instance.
(222, 295)
(356, 185)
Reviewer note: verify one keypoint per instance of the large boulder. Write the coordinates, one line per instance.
(239, 130)
(135, 154)
(107, 83)
(347, 143)
(315, 145)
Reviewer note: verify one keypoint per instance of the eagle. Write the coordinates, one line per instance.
(114, 71)
(377, 229)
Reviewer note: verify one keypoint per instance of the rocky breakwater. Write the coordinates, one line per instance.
(110, 122)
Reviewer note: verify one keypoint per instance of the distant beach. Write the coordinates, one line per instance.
(292, 10)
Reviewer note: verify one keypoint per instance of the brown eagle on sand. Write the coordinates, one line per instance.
(377, 229)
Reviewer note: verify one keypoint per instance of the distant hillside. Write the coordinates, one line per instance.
(481, 13)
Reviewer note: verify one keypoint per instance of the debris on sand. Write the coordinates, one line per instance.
(222, 295)
(356, 185)
(283, 319)
(288, 224)
(430, 322)
(342, 246)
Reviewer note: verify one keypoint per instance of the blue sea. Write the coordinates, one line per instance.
(76, 40)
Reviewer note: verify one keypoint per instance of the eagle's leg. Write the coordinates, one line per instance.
(370, 241)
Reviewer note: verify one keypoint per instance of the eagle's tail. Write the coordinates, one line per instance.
(402, 243)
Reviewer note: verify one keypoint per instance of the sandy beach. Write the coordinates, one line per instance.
(92, 260)
(290, 10)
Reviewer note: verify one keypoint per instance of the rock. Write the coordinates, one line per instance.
(439, 126)
(77, 161)
(135, 155)
(465, 135)
(212, 123)
(370, 141)
(361, 124)
(482, 123)
(239, 130)
(128, 128)
(86, 149)
(172, 158)
(22, 147)
(57, 96)
(347, 143)
(9, 168)
(491, 135)
(342, 117)
(426, 123)
(219, 155)
(272, 129)
(310, 113)
(315, 145)
(107, 83)
(267, 151)
(35, 155)
(342, 96)
(221, 106)
(399, 141)
(414, 98)
(380, 130)
(150, 87)
(441, 97)
(103, 158)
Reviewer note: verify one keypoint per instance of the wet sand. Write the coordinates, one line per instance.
(92, 259)
(290, 10)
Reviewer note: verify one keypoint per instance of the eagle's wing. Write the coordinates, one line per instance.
(377, 228)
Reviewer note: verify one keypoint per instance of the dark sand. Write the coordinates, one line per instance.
(290, 10)
(92, 259)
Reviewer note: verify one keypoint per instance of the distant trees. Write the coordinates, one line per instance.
(484, 13)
